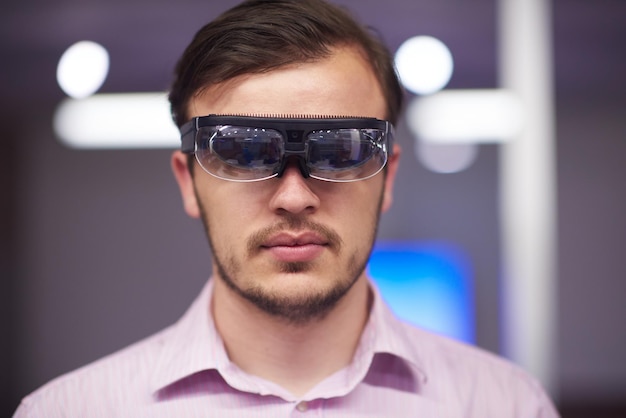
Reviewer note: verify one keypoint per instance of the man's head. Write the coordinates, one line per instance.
(261, 35)
(290, 245)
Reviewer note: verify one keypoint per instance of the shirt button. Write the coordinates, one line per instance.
(302, 406)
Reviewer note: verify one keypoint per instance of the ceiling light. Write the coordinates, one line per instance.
(82, 69)
(424, 64)
(466, 116)
(134, 120)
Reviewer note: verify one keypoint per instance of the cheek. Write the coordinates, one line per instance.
(229, 213)
(357, 212)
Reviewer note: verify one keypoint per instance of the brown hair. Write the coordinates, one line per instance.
(260, 35)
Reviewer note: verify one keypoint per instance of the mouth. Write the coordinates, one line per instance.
(293, 248)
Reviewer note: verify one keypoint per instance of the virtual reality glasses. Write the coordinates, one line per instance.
(244, 148)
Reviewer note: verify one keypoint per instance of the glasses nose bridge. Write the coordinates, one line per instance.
(295, 151)
(294, 157)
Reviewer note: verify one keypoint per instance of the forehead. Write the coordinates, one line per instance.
(342, 84)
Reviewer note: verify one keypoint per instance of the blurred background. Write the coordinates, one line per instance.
(96, 251)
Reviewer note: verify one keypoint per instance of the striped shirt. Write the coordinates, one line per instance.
(397, 371)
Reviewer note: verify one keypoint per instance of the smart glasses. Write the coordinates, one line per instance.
(245, 149)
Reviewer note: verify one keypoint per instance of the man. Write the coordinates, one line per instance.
(286, 110)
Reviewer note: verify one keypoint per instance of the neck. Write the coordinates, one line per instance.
(294, 356)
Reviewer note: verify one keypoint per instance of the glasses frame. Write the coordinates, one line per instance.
(294, 130)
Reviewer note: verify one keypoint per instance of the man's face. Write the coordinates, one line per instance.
(290, 245)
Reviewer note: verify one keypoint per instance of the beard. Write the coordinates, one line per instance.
(304, 307)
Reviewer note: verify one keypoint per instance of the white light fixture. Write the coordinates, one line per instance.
(82, 69)
(424, 64)
(466, 116)
(135, 120)
(528, 192)
(446, 158)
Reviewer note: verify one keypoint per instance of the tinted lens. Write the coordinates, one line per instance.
(239, 153)
(346, 154)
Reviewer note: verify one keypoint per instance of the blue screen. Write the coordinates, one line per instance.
(428, 284)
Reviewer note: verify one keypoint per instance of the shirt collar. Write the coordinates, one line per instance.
(193, 344)
(386, 334)
(383, 335)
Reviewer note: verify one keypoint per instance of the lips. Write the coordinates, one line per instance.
(289, 240)
(301, 247)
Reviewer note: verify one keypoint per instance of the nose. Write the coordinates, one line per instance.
(293, 193)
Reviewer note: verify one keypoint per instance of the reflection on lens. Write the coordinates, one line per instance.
(346, 154)
(240, 153)
(244, 153)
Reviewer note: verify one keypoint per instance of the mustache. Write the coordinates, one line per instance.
(293, 224)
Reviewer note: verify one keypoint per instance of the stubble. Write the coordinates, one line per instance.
(305, 307)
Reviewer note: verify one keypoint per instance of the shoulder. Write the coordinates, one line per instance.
(481, 381)
(128, 379)
(439, 353)
(116, 379)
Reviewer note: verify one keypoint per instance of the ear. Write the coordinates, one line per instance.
(392, 169)
(185, 183)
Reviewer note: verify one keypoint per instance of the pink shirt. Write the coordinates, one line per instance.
(397, 371)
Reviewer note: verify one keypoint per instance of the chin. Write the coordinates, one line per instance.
(299, 303)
